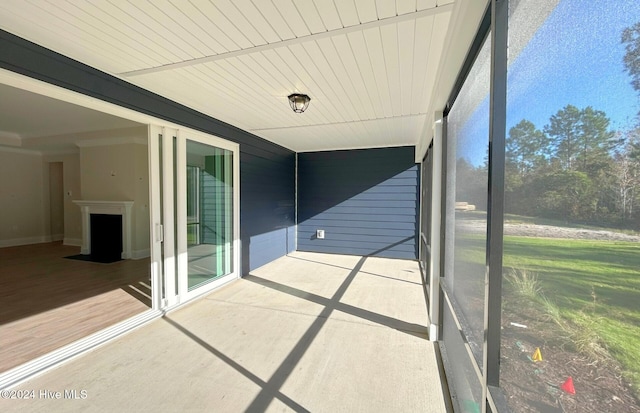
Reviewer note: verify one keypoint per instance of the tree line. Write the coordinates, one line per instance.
(575, 167)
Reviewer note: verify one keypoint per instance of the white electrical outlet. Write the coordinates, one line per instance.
(320, 233)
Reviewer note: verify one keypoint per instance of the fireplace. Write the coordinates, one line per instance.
(98, 219)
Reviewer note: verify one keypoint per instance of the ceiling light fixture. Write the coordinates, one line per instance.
(299, 102)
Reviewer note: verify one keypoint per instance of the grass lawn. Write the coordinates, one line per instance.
(595, 284)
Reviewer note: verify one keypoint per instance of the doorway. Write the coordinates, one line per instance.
(56, 200)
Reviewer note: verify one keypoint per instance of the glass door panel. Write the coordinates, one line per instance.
(209, 213)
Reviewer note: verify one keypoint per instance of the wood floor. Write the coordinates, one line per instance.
(48, 301)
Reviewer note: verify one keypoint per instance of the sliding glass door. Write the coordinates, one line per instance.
(206, 174)
(200, 214)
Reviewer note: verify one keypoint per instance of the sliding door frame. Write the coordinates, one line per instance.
(183, 292)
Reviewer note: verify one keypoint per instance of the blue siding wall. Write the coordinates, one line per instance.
(365, 200)
(267, 171)
(267, 206)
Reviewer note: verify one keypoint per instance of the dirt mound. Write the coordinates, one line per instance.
(547, 231)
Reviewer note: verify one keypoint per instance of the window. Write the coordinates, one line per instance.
(571, 290)
(467, 131)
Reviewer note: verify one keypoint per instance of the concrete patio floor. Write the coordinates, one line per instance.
(307, 332)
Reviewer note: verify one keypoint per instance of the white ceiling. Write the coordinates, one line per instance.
(370, 66)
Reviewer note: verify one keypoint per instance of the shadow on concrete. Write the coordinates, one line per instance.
(362, 272)
(413, 329)
(263, 399)
(271, 391)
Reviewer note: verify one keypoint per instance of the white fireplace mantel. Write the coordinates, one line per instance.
(122, 208)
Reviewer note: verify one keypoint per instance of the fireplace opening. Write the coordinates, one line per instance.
(106, 237)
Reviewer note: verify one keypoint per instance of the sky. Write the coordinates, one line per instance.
(576, 58)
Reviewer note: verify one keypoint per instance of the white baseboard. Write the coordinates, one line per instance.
(15, 242)
(57, 237)
(74, 242)
(139, 254)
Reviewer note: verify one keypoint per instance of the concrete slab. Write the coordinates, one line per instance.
(308, 332)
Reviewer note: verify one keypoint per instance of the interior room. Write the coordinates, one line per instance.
(53, 156)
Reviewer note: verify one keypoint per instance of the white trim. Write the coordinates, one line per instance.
(170, 274)
(39, 152)
(181, 216)
(155, 204)
(140, 254)
(74, 242)
(57, 237)
(122, 208)
(208, 288)
(433, 332)
(295, 207)
(10, 138)
(436, 214)
(62, 151)
(23, 151)
(44, 363)
(16, 242)
(111, 141)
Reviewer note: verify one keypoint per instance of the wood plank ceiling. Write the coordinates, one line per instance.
(368, 65)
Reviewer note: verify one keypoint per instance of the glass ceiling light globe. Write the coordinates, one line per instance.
(299, 102)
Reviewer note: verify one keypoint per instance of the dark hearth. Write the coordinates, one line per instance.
(106, 237)
(91, 258)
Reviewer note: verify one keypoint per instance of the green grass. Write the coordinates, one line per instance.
(525, 282)
(595, 285)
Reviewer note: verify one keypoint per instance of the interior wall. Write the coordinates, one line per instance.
(72, 214)
(21, 198)
(119, 172)
(142, 234)
(56, 200)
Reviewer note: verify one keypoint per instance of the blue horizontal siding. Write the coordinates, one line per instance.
(390, 203)
(354, 250)
(364, 216)
(267, 206)
(270, 245)
(382, 210)
(309, 232)
(337, 238)
(348, 223)
(365, 200)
